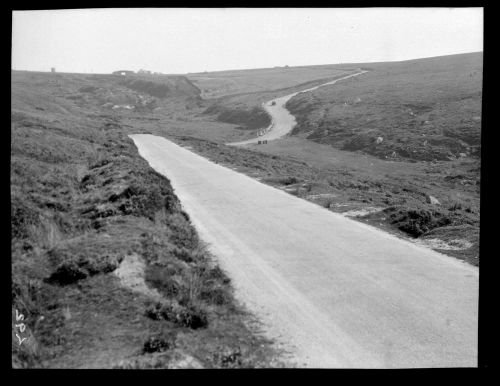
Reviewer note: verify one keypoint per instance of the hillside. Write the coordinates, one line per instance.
(398, 147)
(107, 269)
(425, 110)
(217, 84)
(162, 86)
(244, 109)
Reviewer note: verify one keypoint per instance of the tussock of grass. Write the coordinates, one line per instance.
(23, 217)
(418, 221)
(229, 358)
(190, 316)
(287, 180)
(160, 342)
(75, 265)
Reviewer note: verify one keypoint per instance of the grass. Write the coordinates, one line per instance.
(419, 110)
(418, 221)
(223, 83)
(251, 119)
(162, 86)
(82, 200)
(391, 137)
(341, 181)
(244, 110)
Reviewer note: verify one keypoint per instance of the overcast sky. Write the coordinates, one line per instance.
(181, 40)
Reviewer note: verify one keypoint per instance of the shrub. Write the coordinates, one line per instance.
(67, 273)
(216, 273)
(23, 217)
(228, 357)
(287, 180)
(104, 263)
(90, 89)
(184, 254)
(183, 234)
(159, 343)
(416, 222)
(145, 198)
(190, 316)
(74, 264)
(161, 279)
(153, 311)
(216, 295)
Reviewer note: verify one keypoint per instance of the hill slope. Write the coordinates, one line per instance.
(224, 83)
(426, 109)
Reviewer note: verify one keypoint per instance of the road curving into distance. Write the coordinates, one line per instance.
(282, 122)
(332, 291)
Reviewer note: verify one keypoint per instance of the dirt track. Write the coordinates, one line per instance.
(335, 292)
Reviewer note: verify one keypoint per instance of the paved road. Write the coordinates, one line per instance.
(282, 122)
(335, 292)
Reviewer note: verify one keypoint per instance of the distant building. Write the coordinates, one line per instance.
(123, 72)
(53, 69)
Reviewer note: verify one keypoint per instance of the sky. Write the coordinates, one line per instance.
(182, 40)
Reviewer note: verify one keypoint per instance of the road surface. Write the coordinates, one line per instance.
(282, 122)
(333, 291)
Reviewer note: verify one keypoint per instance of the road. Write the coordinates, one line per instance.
(334, 292)
(282, 122)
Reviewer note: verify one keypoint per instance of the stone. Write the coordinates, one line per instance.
(433, 200)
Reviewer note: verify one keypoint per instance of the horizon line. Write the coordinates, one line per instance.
(265, 68)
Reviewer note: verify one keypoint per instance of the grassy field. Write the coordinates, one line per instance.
(84, 206)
